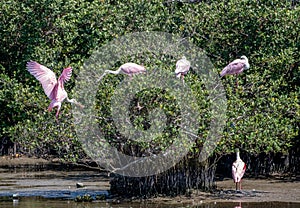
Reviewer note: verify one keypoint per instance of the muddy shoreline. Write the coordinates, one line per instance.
(255, 190)
(276, 188)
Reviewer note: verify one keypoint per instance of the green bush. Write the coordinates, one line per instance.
(263, 112)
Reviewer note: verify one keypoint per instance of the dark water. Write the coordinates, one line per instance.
(33, 202)
(58, 189)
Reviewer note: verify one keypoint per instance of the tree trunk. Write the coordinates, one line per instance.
(188, 174)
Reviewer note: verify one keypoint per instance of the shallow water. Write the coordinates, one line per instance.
(33, 202)
(48, 188)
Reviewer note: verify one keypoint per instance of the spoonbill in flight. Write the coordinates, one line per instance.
(127, 68)
(53, 88)
(238, 171)
(236, 67)
(182, 68)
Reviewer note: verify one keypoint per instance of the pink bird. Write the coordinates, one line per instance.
(238, 171)
(182, 68)
(236, 67)
(128, 69)
(53, 88)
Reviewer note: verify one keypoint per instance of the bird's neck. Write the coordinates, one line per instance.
(70, 100)
(75, 102)
(247, 65)
(238, 156)
(114, 72)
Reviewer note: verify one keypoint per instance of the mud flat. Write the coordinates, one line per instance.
(60, 184)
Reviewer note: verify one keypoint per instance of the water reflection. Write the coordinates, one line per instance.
(15, 202)
(239, 206)
(250, 205)
(45, 203)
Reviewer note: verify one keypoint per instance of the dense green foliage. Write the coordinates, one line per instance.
(263, 112)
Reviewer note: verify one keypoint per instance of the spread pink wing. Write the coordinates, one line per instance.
(65, 75)
(46, 77)
(234, 67)
(132, 68)
(59, 93)
(182, 66)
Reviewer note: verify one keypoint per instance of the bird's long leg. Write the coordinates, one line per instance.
(182, 77)
(57, 114)
(236, 186)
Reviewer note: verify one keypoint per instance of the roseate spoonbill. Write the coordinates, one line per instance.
(236, 67)
(53, 88)
(127, 68)
(238, 170)
(182, 67)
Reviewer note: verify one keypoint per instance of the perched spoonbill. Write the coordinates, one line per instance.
(238, 170)
(53, 88)
(236, 67)
(127, 68)
(182, 68)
